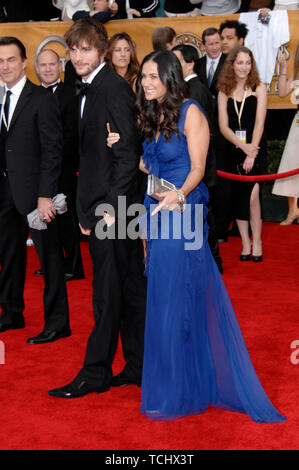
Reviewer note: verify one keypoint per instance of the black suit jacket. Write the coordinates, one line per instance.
(201, 94)
(68, 104)
(33, 147)
(106, 173)
(201, 69)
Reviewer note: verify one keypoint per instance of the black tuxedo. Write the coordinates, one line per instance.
(33, 159)
(118, 285)
(68, 223)
(201, 94)
(201, 70)
(223, 192)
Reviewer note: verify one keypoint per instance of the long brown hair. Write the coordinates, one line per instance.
(149, 112)
(133, 67)
(227, 81)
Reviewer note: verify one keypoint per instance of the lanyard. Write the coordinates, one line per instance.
(239, 112)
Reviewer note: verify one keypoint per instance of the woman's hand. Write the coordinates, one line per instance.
(251, 150)
(248, 164)
(113, 137)
(168, 200)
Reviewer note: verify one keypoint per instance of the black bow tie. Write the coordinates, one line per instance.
(81, 88)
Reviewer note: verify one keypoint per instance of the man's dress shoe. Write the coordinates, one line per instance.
(72, 277)
(15, 325)
(123, 379)
(48, 336)
(76, 389)
(39, 272)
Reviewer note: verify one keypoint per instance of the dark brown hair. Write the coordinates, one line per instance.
(11, 40)
(161, 36)
(133, 67)
(149, 112)
(90, 30)
(227, 81)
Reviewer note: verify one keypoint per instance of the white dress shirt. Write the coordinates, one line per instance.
(209, 60)
(89, 80)
(16, 90)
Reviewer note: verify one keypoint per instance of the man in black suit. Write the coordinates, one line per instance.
(30, 153)
(188, 57)
(209, 66)
(119, 287)
(48, 68)
(208, 69)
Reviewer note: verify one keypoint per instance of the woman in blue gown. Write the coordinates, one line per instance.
(195, 355)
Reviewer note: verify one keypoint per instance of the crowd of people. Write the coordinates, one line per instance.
(55, 10)
(186, 117)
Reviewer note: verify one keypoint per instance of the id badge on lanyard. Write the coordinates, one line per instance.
(240, 133)
(297, 119)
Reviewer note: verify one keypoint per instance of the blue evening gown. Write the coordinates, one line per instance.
(195, 355)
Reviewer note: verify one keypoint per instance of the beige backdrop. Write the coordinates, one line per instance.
(189, 30)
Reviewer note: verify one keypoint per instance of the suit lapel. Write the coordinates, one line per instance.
(23, 99)
(218, 70)
(203, 71)
(92, 92)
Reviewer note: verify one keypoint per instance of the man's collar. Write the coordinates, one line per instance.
(193, 75)
(94, 73)
(56, 83)
(18, 87)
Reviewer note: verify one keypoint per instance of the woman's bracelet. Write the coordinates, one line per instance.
(181, 196)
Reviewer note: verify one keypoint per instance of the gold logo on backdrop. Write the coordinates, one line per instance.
(191, 39)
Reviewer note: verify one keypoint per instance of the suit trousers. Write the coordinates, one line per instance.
(13, 256)
(119, 303)
(69, 235)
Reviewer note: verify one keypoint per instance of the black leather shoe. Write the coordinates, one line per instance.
(48, 336)
(123, 379)
(76, 389)
(15, 325)
(72, 277)
(39, 272)
(245, 257)
(257, 259)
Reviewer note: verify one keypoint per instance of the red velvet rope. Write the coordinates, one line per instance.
(276, 176)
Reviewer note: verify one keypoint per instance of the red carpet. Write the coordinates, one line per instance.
(265, 297)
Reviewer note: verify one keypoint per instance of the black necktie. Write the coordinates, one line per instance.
(6, 107)
(3, 132)
(81, 88)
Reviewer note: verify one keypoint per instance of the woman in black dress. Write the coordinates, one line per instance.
(242, 103)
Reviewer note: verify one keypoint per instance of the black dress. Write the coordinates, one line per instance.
(242, 189)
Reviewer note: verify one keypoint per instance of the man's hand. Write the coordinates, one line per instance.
(46, 209)
(85, 231)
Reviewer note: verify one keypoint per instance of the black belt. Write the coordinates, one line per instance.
(3, 172)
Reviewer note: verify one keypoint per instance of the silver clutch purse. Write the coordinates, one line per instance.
(158, 185)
